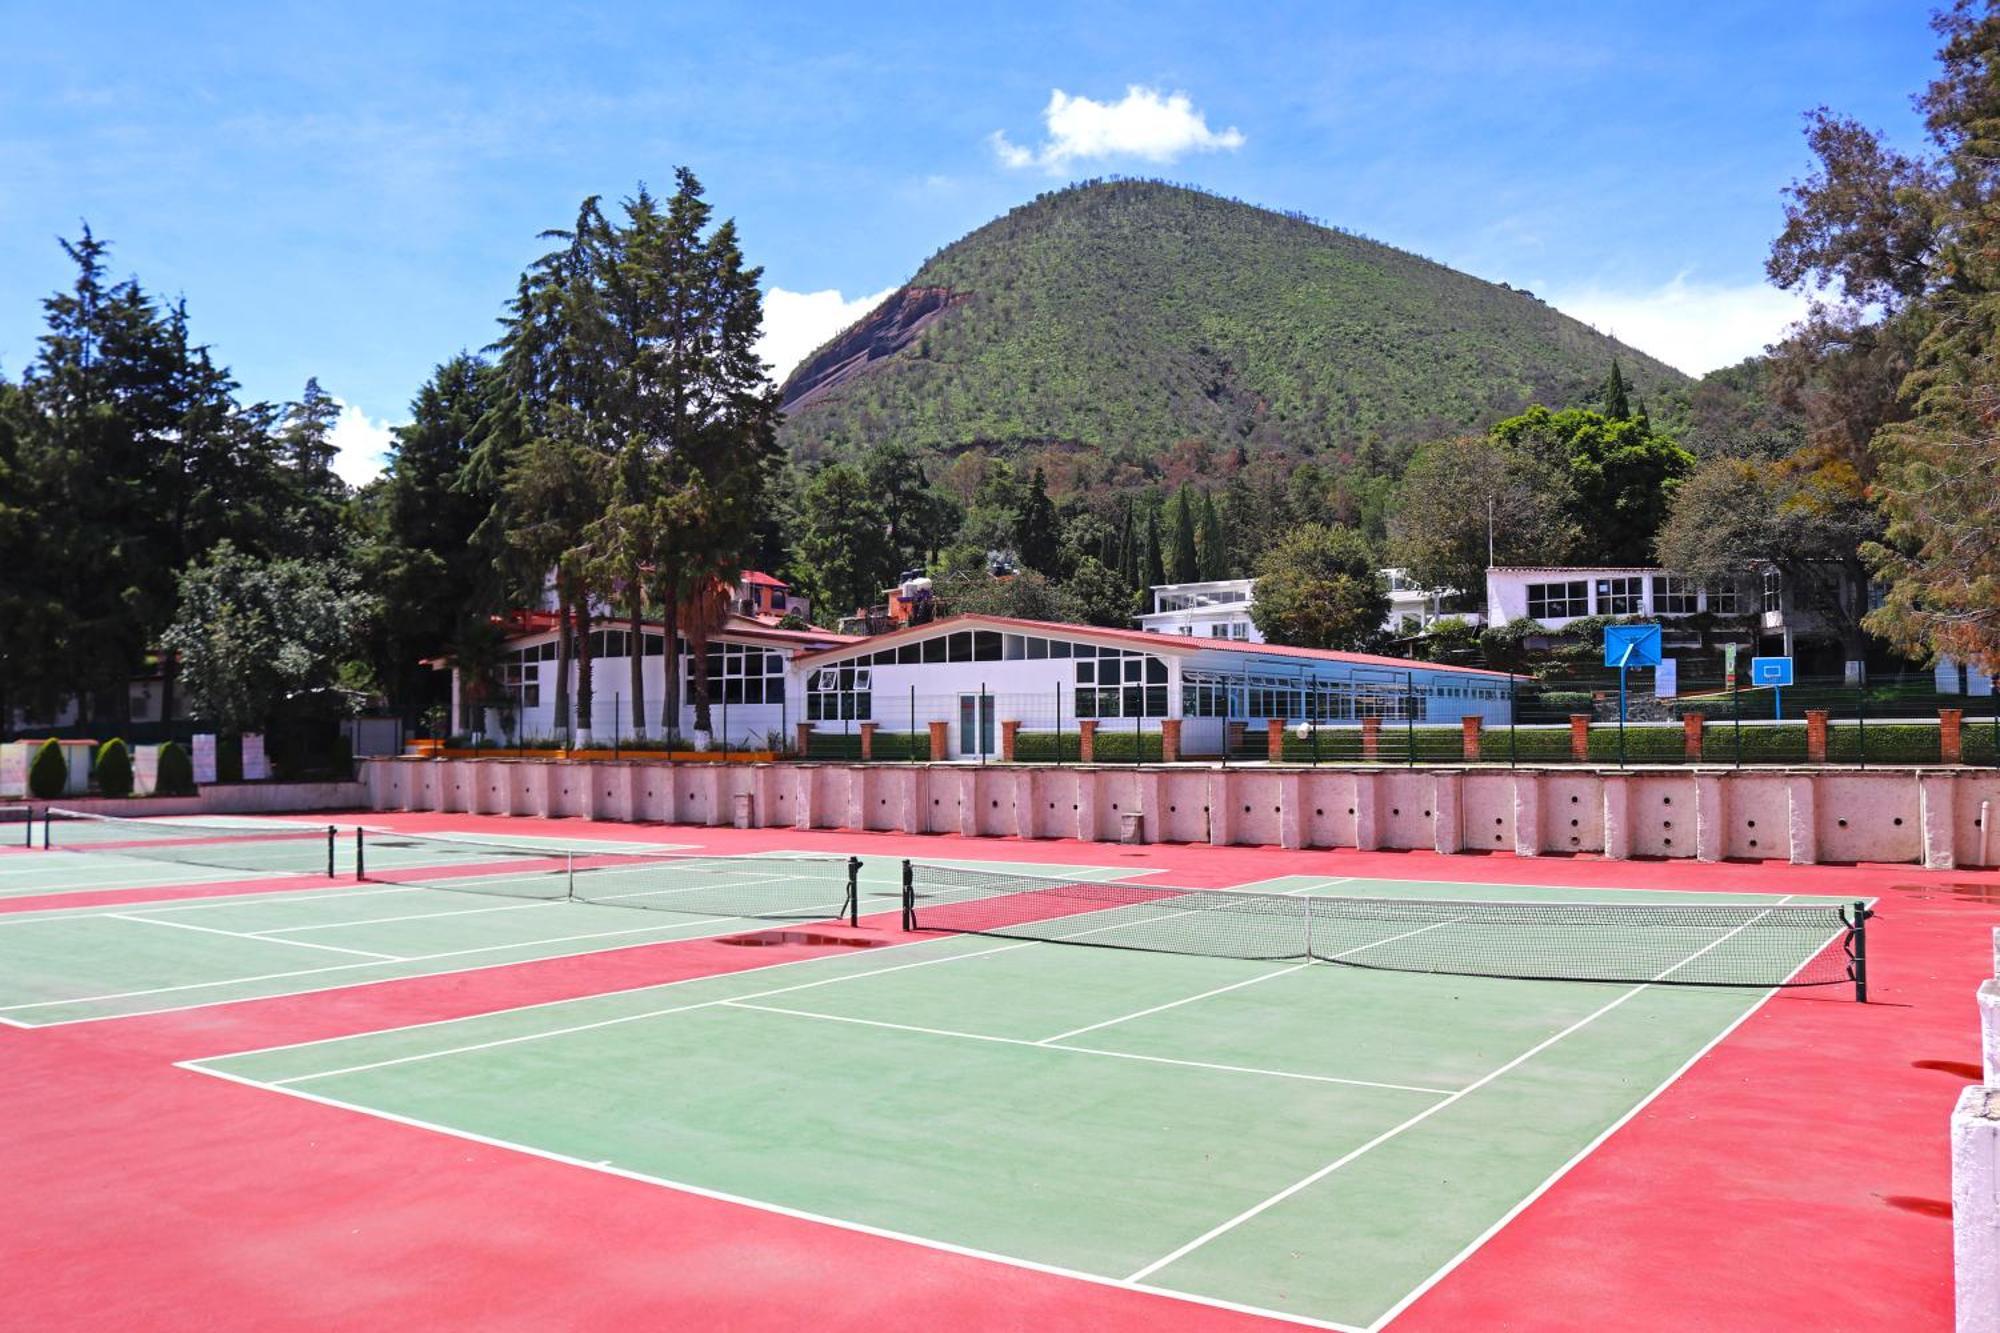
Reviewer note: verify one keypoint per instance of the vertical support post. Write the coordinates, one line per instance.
(1513, 714)
(1861, 721)
(1736, 713)
(909, 899)
(331, 834)
(853, 890)
(1815, 735)
(1857, 950)
(1410, 716)
(48, 818)
(617, 724)
(913, 722)
(979, 725)
(360, 854)
(1059, 744)
(1951, 748)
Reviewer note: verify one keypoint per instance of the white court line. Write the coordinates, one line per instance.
(1171, 1004)
(782, 1210)
(1429, 1111)
(1478, 1241)
(240, 935)
(281, 897)
(1086, 1050)
(411, 916)
(628, 1018)
(344, 967)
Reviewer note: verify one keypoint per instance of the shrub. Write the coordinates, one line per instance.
(176, 772)
(342, 757)
(228, 759)
(48, 771)
(114, 769)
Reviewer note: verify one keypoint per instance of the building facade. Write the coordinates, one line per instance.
(1215, 609)
(1555, 595)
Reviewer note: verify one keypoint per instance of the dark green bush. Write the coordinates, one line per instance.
(342, 757)
(1066, 747)
(1047, 747)
(228, 759)
(114, 769)
(176, 772)
(889, 745)
(48, 771)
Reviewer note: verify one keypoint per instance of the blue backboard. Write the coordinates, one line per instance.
(1770, 671)
(1631, 645)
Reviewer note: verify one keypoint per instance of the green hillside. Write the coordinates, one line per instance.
(1127, 316)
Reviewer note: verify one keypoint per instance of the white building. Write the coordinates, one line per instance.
(1412, 607)
(1555, 595)
(1216, 609)
(975, 673)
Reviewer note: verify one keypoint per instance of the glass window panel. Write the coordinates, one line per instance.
(1156, 671)
(1086, 673)
(1059, 648)
(959, 647)
(1037, 649)
(910, 652)
(934, 648)
(986, 645)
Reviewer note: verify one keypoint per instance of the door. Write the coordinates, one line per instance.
(975, 725)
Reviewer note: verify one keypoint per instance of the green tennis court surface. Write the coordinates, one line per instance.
(77, 964)
(1313, 1140)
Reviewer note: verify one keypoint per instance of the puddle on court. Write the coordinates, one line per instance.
(810, 938)
(1957, 891)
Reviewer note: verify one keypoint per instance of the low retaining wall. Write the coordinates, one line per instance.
(248, 798)
(1935, 817)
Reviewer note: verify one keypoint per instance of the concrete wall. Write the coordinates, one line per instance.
(250, 798)
(1933, 817)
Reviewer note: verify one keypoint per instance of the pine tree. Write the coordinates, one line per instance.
(1214, 548)
(1037, 537)
(1184, 565)
(1617, 406)
(1155, 564)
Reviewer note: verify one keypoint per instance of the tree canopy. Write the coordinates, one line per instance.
(1320, 587)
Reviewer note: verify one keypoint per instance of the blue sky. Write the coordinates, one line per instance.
(349, 191)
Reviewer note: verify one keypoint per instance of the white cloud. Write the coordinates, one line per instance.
(796, 323)
(363, 445)
(1144, 124)
(1694, 327)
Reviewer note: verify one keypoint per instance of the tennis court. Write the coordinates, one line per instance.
(1311, 1139)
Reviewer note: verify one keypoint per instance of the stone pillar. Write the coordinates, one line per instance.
(1447, 814)
(1951, 749)
(1691, 727)
(1989, 1029)
(1937, 811)
(1274, 739)
(868, 739)
(1617, 818)
(802, 739)
(1471, 726)
(1371, 738)
(940, 742)
(1008, 731)
(1711, 815)
(1975, 1208)
(1170, 740)
(1579, 737)
(1802, 823)
(1291, 810)
(1815, 735)
(1367, 812)
(1086, 741)
(1527, 814)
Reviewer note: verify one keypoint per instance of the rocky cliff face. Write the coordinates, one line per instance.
(888, 329)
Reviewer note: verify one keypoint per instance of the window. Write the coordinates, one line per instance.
(1725, 599)
(520, 678)
(839, 693)
(1620, 597)
(1774, 590)
(1558, 601)
(1219, 631)
(1241, 631)
(1121, 684)
(742, 675)
(1675, 596)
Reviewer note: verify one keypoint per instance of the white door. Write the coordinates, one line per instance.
(975, 725)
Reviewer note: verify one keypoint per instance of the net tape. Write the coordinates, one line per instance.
(1694, 944)
(810, 888)
(267, 846)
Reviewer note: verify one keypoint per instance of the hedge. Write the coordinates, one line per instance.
(1066, 747)
(175, 776)
(114, 769)
(48, 771)
(888, 745)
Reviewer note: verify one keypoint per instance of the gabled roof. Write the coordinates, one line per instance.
(1184, 645)
(523, 624)
(757, 578)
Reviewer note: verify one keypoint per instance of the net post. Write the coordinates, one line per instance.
(360, 855)
(1857, 951)
(909, 898)
(1306, 901)
(854, 891)
(48, 820)
(332, 838)
(569, 875)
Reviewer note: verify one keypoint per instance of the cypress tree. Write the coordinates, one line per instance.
(1155, 566)
(1036, 535)
(1185, 566)
(1617, 406)
(1213, 547)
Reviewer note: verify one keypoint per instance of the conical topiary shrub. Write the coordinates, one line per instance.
(114, 769)
(48, 772)
(176, 772)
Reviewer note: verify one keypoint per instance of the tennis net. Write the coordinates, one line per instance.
(1696, 944)
(17, 825)
(785, 888)
(277, 848)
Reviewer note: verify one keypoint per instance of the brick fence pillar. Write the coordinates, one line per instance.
(1274, 739)
(1951, 749)
(1086, 741)
(868, 739)
(1579, 737)
(1170, 740)
(1008, 731)
(940, 742)
(803, 738)
(1371, 737)
(1815, 735)
(1232, 738)
(1691, 729)
(1471, 726)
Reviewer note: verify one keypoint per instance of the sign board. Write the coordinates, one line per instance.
(145, 769)
(255, 767)
(203, 755)
(1729, 666)
(1667, 678)
(1770, 671)
(14, 769)
(1631, 645)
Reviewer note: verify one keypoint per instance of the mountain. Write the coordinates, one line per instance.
(1126, 317)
